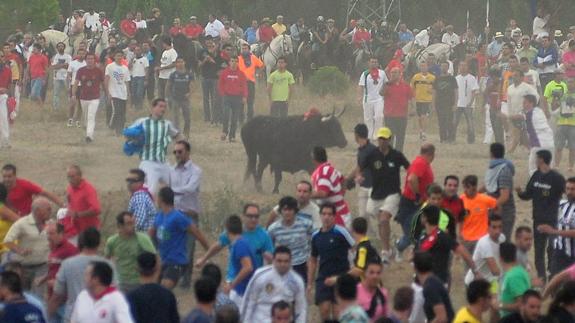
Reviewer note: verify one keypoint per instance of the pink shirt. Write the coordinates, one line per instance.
(568, 59)
(364, 300)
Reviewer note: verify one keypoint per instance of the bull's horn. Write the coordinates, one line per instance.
(326, 118)
(342, 111)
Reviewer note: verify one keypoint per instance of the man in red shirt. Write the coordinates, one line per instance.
(60, 250)
(21, 192)
(92, 80)
(5, 74)
(419, 176)
(396, 94)
(193, 30)
(176, 28)
(83, 204)
(451, 201)
(361, 36)
(38, 64)
(266, 33)
(233, 87)
(128, 26)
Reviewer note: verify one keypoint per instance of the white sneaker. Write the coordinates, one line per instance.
(398, 255)
(386, 256)
(70, 123)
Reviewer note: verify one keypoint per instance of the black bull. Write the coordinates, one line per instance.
(286, 143)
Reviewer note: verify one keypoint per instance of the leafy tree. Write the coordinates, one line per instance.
(27, 15)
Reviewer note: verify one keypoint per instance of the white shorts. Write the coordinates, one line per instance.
(389, 204)
(505, 108)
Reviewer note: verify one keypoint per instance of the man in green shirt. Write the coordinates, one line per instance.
(515, 281)
(124, 248)
(561, 98)
(280, 89)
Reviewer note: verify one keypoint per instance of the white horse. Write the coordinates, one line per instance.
(53, 37)
(281, 46)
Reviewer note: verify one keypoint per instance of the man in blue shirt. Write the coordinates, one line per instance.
(242, 260)
(170, 232)
(329, 247)
(258, 239)
(16, 308)
(251, 33)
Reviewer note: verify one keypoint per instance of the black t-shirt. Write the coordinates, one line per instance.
(434, 293)
(210, 70)
(512, 318)
(152, 303)
(180, 84)
(154, 25)
(441, 251)
(365, 254)
(385, 171)
(545, 190)
(445, 86)
(362, 155)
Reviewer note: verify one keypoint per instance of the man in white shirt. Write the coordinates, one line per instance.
(467, 88)
(486, 253)
(60, 64)
(100, 301)
(370, 84)
(139, 77)
(73, 67)
(540, 22)
(271, 284)
(167, 66)
(450, 38)
(213, 27)
(116, 87)
(91, 22)
(515, 94)
(538, 131)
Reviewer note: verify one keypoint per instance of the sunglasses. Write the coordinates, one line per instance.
(131, 180)
(252, 216)
(177, 152)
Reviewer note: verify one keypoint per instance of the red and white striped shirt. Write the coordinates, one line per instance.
(328, 179)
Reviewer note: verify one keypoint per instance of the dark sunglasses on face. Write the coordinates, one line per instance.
(177, 152)
(131, 180)
(252, 216)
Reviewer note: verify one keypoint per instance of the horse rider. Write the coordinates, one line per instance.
(193, 30)
(155, 26)
(265, 35)
(128, 26)
(362, 37)
(74, 27)
(91, 23)
(104, 22)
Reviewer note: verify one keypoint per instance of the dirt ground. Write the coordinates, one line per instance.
(43, 147)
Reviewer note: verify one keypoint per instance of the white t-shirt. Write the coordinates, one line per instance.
(168, 57)
(543, 133)
(214, 28)
(465, 87)
(92, 21)
(139, 66)
(370, 88)
(119, 75)
(141, 24)
(532, 77)
(485, 248)
(110, 308)
(73, 68)
(516, 94)
(450, 40)
(539, 25)
(61, 73)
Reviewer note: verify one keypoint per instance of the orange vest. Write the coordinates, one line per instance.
(250, 72)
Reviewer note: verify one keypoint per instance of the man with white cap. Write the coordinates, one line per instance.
(193, 30)
(494, 48)
(279, 27)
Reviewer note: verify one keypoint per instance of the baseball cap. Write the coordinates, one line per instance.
(498, 34)
(384, 133)
(558, 33)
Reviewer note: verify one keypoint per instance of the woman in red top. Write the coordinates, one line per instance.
(128, 26)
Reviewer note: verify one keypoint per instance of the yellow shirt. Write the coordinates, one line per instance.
(25, 232)
(464, 316)
(280, 29)
(4, 227)
(422, 86)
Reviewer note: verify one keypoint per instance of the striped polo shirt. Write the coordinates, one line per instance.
(328, 179)
(296, 237)
(566, 221)
(159, 134)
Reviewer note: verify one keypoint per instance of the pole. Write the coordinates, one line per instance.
(467, 21)
(487, 14)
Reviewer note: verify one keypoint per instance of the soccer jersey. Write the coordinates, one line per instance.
(159, 134)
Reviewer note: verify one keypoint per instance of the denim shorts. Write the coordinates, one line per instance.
(36, 86)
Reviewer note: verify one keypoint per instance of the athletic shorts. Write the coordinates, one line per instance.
(173, 272)
(389, 204)
(423, 108)
(565, 137)
(323, 293)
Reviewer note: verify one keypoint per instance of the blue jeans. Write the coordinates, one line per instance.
(36, 86)
(138, 84)
(233, 106)
(59, 87)
(407, 209)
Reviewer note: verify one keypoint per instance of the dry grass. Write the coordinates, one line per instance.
(43, 149)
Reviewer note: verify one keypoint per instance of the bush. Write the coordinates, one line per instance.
(328, 80)
(32, 15)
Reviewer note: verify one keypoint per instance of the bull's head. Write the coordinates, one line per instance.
(331, 132)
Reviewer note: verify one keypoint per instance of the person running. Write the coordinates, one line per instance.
(249, 64)
(371, 83)
(116, 84)
(329, 249)
(359, 175)
(159, 132)
(545, 189)
(87, 85)
(273, 283)
(60, 63)
(384, 164)
(486, 255)
(422, 86)
(280, 89)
